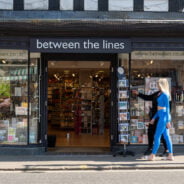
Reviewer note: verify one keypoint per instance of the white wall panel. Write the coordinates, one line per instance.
(156, 5)
(36, 4)
(90, 4)
(66, 5)
(6, 4)
(121, 5)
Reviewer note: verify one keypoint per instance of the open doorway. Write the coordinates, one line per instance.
(79, 104)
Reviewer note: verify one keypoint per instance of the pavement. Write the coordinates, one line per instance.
(86, 162)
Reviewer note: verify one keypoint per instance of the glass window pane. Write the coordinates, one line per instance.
(34, 99)
(91, 5)
(36, 5)
(66, 5)
(147, 68)
(121, 5)
(6, 4)
(156, 5)
(13, 96)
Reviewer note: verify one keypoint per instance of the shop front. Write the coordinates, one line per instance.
(76, 94)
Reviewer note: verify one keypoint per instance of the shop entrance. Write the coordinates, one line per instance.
(79, 105)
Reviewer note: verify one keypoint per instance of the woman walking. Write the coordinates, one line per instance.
(163, 125)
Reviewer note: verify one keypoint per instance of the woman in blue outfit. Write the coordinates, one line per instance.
(163, 125)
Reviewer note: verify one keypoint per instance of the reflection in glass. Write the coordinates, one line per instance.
(13, 97)
(34, 99)
(147, 67)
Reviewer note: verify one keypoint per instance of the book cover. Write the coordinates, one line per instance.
(140, 125)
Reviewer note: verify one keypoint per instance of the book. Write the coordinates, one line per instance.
(140, 125)
(134, 139)
(179, 110)
(180, 124)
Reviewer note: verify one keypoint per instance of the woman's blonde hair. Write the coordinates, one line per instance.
(164, 86)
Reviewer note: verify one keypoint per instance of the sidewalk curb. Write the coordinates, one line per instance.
(82, 168)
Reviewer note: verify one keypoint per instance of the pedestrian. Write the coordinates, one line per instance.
(163, 125)
(151, 128)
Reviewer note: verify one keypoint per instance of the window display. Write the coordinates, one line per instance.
(147, 68)
(13, 96)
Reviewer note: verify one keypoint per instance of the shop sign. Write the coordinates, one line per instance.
(81, 45)
(13, 54)
(158, 55)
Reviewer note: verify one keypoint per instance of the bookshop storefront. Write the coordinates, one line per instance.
(83, 88)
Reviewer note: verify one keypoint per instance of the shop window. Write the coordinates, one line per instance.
(36, 5)
(156, 5)
(13, 96)
(90, 4)
(34, 105)
(66, 5)
(6, 4)
(146, 68)
(120, 5)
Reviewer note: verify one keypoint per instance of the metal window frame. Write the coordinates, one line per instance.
(78, 5)
(54, 4)
(18, 5)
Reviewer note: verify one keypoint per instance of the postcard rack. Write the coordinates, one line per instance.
(123, 113)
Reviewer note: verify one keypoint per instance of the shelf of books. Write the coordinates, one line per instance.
(123, 110)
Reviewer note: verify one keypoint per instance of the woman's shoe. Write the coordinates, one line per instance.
(171, 158)
(151, 157)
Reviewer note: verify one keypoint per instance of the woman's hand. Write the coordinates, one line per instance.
(152, 121)
(168, 125)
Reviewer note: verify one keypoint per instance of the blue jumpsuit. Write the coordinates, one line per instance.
(164, 118)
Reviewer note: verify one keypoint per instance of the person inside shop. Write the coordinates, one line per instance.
(164, 119)
(152, 127)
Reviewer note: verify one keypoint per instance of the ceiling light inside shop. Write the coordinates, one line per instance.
(52, 63)
(101, 64)
(151, 62)
(3, 61)
(73, 75)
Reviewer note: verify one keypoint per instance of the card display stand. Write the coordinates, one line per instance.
(123, 114)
